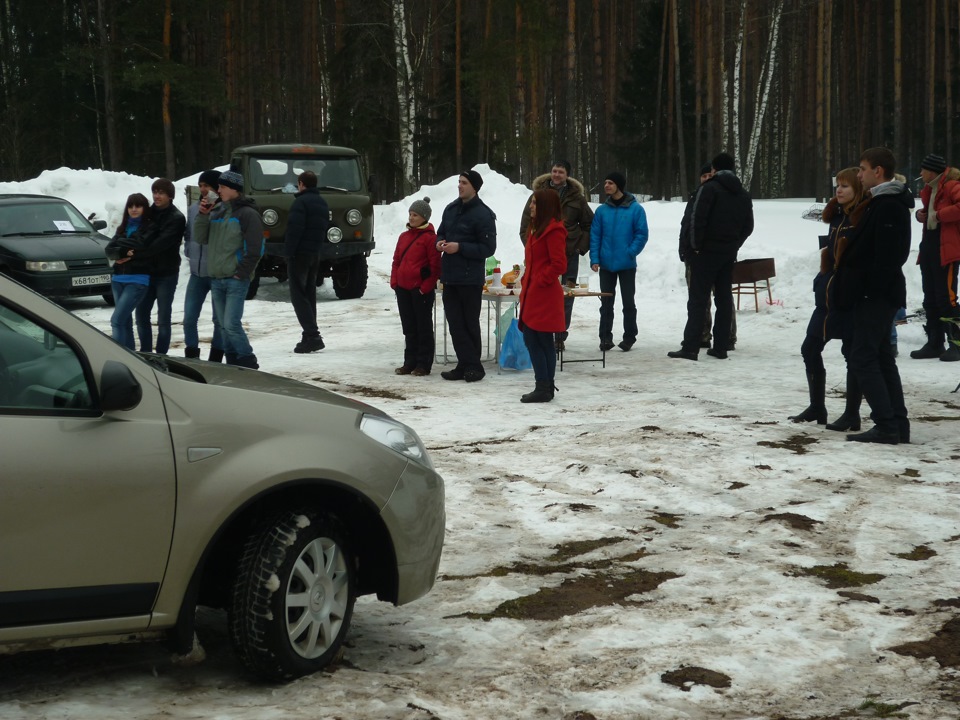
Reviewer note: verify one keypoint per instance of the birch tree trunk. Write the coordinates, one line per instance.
(737, 95)
(406, 96)
(762, 100)
(681, 147)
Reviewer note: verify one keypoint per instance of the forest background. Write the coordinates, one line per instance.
(795, 89)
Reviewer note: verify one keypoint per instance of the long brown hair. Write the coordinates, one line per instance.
(548, 208)
(137, 200)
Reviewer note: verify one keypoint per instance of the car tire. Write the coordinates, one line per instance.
(109, 299)
(253, 287)
(293, 596)
(350, 277)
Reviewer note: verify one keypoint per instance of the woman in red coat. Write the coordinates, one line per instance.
(414, 276)
(541, 295)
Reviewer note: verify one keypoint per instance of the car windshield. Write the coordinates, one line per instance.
(280, 173)
(41, 218)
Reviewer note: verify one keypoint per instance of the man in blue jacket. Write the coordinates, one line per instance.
(467, 236)
(307, 227)
(618, 234)
(721, 220)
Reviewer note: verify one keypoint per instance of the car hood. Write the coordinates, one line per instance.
(55, 247)
(242, 378)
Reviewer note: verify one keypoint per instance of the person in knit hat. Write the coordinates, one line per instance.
(618, 234)
(198, 286)
(939, 256)
(413, 278)
(467, 236)
(307, 226)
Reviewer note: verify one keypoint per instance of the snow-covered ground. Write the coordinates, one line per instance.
(659, 516)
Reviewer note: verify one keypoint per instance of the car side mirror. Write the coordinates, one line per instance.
(119, 389)
(99, 224)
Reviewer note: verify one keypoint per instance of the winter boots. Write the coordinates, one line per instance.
(543, 393)
(192, 353)
(850, 420)
(216, 355)
(817, 410)
(934, 345)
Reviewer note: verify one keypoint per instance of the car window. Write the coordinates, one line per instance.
(272, 173)
(41, 217)
(39, 371)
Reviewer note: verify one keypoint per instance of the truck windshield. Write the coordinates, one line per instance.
(273, 173)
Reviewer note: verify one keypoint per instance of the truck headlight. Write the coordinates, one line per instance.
(270, 217)
(46, 266)
(354, 217)
(334, 234)
(396, 436)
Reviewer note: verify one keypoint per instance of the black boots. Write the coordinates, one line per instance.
(934, 346)
(850, 420)
(543, 393)
(817, 410)
(216, 355)
(192, 353)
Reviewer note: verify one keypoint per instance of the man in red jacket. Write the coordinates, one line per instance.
(939, 254)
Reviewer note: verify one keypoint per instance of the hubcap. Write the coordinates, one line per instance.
(317, 597)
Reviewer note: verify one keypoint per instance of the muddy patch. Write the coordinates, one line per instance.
(366, 391)
(859, 597)
(686, 676)
(736, 485)
(575, 595)
(668, 519)
(944, 646)
(839, 575)
(795, 443)
(920, 552)
(794, 520)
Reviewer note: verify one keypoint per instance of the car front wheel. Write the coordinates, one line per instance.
(293, 596)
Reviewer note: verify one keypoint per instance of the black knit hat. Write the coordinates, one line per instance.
(233, 180)
(706, 169)
(723, 161)
(473, 177)
(210, 177)
(617, 178)
(934, 163)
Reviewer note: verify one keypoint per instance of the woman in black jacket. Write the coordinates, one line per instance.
(826, 322)
(131, 275)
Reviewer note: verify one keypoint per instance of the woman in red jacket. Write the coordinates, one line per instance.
(414, 276)
(541, 295)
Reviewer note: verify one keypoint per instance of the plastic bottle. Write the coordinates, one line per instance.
(497, 282)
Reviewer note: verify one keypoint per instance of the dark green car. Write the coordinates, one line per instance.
(270, 177)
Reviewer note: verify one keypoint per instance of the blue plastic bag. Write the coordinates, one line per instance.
(513, 350)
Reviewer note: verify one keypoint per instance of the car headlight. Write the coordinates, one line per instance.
(396, 436)
(354, 217)
(334, 235)
(270, 217)
(46, 266)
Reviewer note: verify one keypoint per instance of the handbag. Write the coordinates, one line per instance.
(513, 350)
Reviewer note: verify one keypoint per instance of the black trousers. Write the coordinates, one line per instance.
(302, 273)
(461, 304)
(872, 361)
(709, 271)
(939, 282)
(628, 301)
(416, 319)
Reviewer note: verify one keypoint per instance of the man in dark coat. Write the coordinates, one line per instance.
(720, 221)
(869, 281)
(307, 226)
(577, 217)
(467, 236)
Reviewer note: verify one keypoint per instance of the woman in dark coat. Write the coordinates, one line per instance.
(541, 295)
(827, 323)
(131, 275)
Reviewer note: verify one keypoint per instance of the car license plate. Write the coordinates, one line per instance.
(84, 280)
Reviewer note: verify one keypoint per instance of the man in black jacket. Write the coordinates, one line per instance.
(163, 235)
(720, 221)
(869, 280)
(307, 226)
(467, 236)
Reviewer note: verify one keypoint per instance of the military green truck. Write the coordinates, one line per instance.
(270, 177)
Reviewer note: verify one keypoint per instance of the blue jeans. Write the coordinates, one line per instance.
(229, 295)
(161, 291)
(197, 289)
(127, 297)
(543, 354)
(901, 315)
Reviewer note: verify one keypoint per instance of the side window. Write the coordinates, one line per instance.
(39, 372)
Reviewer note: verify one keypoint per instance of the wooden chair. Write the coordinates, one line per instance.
(751, 277)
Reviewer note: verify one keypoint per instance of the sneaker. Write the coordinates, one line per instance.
(625, 344)
(474, 375)
(420, 372)
(403, 370)
(309, 345)
(682, 354)
(718, 354)
(455, 374)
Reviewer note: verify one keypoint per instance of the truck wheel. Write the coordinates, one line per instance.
(293, 596)
(350, 277)
(254, 286)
